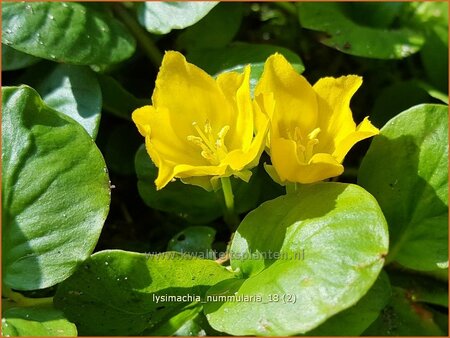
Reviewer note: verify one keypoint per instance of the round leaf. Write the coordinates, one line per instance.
(406, 169)
(194, 240)
(55, 192)
(395, 98)
(13, 59)
(36, 321)
(68, 32)
(216, 30)
(352, 38)
(435, 56)
(356, 319)
(421, 288)
(184, 323)
(308, 256)
(374, 14)
(120, 292)
(403, 317)
(161, 17)
(116, 99)
(74, 91)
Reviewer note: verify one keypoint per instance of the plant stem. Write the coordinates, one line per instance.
(230, 216)
(141, 35)
(291, 187)
(23, 301)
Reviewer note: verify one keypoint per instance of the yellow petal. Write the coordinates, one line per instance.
(323, 166)
(141, 117)
(263, 108)
(190, 94)
(244, 175)
(364, 130)
(236, 88)
(239, 159)
(165, 138)
(273, 174)
(165, 170)
(335, 117)
(283, 153)
(295, 100)
(184, 170)
(289, 168)
(200, 181)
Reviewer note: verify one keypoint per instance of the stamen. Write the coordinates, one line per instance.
(306, 146)
(213, 147)
(314, 133)
(222, 133)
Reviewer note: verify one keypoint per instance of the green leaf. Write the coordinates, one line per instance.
(434, 56)
(55, 192)
(72, 90)
(67, 32)
(13, 59)
(121, 293)
(403, 317)
(395, 98)
(182, 324)
(429, 13)
(433, 92)
(189, 322)
(349, 37)
(161, 17)
(194, 240)
(356, 319)
(307, 255)
(247, 195)
(432, 17)
(374, 14)
(117, 100)
(36, 321)
(191, 202)
(406, 169)
(421, 288)
(236, 56)
(216, 30)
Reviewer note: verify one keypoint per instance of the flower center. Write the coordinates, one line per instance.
(305, 146)
(212, 146)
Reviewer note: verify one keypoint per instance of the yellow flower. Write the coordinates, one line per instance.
(199, 128)
(312, 127)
